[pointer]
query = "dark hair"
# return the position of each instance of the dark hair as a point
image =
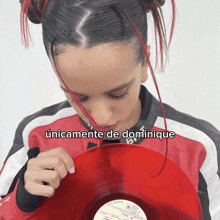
(93, 22)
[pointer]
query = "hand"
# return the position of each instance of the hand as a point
(49, 167)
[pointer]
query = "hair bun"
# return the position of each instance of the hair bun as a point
(34, 14)
(153, 4)
(161, 2)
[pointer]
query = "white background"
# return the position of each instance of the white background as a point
(191, 82)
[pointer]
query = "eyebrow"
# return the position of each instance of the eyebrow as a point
(122, 86)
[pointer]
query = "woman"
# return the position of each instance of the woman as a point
(99, 55)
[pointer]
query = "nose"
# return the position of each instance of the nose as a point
(101, 112)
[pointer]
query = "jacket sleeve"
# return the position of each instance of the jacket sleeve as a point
(15, 201)
(209, 176)
(9, 209)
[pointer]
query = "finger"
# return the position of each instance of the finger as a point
(39, 189)
(49, 176)
(68, 161)
(54, 163)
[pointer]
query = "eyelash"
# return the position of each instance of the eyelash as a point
(110, 96)
(119, 97)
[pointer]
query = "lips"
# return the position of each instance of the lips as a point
(107, 128)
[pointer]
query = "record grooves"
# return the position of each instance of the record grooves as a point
(118, 178)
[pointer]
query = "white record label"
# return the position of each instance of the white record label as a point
(120, 209)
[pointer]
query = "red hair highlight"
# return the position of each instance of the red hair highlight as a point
(25, 32)
(26, 6)
(173, 21)
(160, 30)
(42, 9)
(74, 97)
(155, 83)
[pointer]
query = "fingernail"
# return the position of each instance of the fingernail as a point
(72, 170)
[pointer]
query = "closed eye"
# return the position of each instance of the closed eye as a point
(81, 98)
(84, 99)
(114, 97)
(119, 96)
(117, 93)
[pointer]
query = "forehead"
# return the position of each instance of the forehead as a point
(108, 65)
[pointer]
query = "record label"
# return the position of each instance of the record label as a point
(120, 209)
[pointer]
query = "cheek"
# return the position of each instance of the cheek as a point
(79, 112)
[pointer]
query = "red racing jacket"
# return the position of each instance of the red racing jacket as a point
(194, 145)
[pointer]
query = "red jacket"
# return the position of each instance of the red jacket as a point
(195, 149)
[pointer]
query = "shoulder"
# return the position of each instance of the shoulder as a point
(195, 130)
(46, 116)
(186, 124)
(180, 122)
(54, 112)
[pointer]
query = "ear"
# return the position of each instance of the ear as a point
(144, 75)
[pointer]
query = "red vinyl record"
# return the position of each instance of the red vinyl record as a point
(118, 182)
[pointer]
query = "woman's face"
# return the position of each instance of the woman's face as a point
(106, 79)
